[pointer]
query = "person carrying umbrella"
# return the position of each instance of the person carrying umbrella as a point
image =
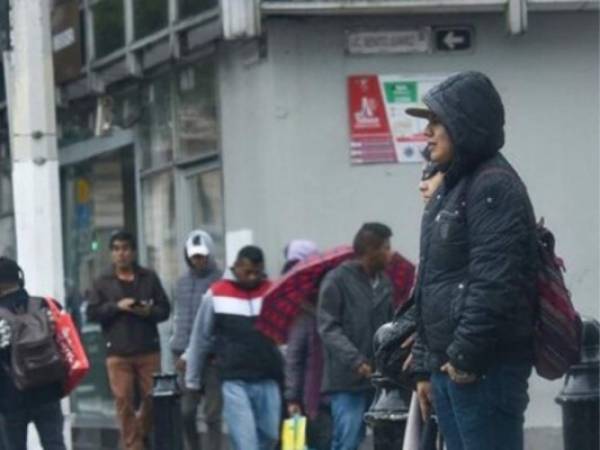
(304, 360)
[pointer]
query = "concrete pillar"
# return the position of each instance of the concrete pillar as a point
(32, 122)
(35, 174)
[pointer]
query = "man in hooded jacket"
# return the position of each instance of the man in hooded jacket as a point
(473, 353)
(191, 287)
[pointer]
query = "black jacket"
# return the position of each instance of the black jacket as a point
(350, 311)
(126, 334)
(478, 257)
(12, 399)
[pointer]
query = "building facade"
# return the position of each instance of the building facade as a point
(235, 117)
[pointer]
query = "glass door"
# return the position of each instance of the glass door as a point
(203, 205)
(98, 198)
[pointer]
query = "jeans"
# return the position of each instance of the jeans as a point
(347, 409)
(252, 411)
(487, 414)
(48, 420)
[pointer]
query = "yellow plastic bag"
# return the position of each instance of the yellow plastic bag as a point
(293, 433)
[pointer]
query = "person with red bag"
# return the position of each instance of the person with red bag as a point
(40, 404)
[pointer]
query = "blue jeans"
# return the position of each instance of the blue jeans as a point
(347, 410)
(48, 420)
(252, 411)
(487, 414)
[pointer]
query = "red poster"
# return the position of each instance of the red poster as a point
(371, 139)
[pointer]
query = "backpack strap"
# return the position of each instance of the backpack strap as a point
(35, 304)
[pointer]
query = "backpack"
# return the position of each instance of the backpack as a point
(558, 326)
(35, 359)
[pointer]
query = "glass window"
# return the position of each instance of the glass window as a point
(8, 238)
(97, 198)
(160, 230)
(197, 129)
(126, 108)
(191, 7)
(205, 197)
(2, 85)
(109, 26)
(76, 122)
(155, 130)
(6, 200)
(150, 16)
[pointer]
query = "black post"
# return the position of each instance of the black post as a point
(167, 430)
(580, 396)
(388, 413)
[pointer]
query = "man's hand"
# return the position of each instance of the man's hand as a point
(425, 397)
(365, 370)
(125, 304)
(294, 408)
(458, 376)
(180, 365)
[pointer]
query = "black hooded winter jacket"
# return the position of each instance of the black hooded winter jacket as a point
(477, 265)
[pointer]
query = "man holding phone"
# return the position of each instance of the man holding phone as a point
(129, 301)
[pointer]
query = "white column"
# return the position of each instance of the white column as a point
(36, 193)
(35, 173)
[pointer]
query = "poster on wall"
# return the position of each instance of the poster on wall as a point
(380, 130)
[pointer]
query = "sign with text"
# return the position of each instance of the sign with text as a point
(380, 130)
(66, 41)
(389, 42)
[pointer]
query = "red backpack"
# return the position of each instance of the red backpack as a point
(558, 327)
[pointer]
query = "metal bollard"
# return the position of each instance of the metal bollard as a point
(388, 413)
(167, 429)
(580, 397)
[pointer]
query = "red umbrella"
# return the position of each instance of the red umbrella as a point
(281, 303)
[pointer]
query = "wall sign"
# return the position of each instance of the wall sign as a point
(452, 39)
(416, 40)
(380, 130)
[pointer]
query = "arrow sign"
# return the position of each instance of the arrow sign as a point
(453, 39)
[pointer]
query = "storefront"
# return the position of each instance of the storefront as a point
(139, 149)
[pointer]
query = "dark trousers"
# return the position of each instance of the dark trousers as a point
(213, 409)
(487, 414)
(319, 430)
(48, 420)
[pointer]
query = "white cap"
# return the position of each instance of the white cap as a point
(197, 245)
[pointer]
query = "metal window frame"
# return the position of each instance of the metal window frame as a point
(184, 221)
(179, 168)
(175, 26)
(274, 7)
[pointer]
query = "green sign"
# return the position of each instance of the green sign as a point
(401, 92)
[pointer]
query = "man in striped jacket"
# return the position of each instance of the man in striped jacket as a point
(250, 364)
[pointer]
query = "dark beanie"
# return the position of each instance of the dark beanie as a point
(10, 272)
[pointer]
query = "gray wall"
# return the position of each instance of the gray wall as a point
(285, 139)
